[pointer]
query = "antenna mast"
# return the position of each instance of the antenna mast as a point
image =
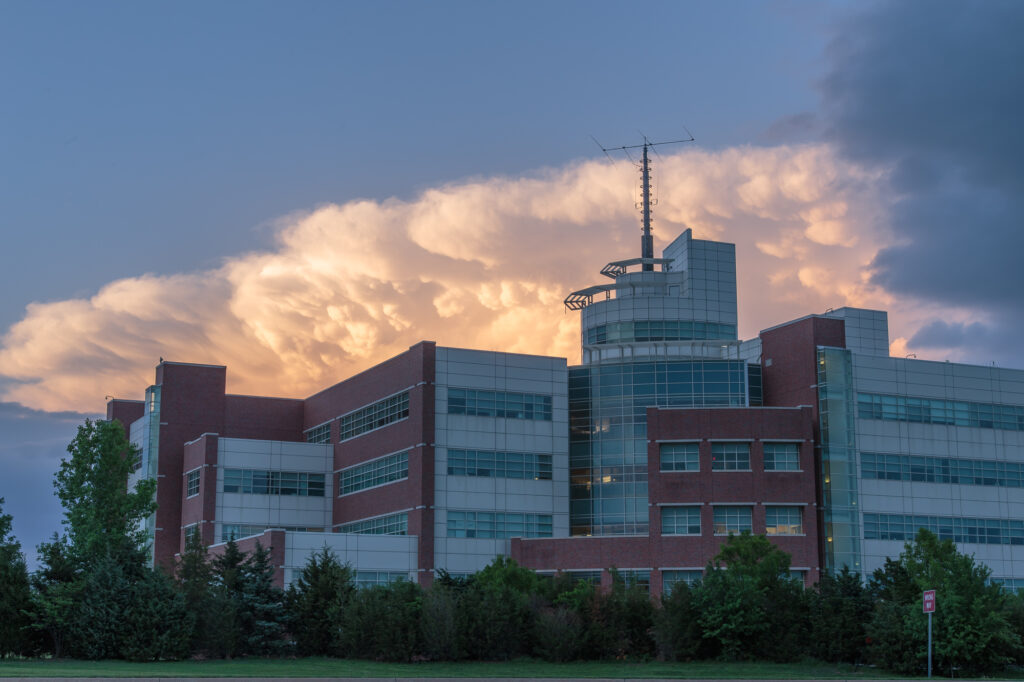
(646, 239)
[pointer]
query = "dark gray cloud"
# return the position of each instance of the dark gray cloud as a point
(934, 91)
(33, 444)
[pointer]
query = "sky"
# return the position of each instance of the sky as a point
(300, 190)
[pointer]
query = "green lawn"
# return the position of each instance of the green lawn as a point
(326, 667)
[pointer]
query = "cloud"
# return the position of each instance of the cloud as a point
(931, 92)
(481, 264)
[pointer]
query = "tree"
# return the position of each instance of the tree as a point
(15, 593)
(316, 602)
(227, 627)
(262, 604)
(195, 577)
(55, 589)
(157, 624)
(840, 611)
(750, 607)
(102, 517)
(972, 635)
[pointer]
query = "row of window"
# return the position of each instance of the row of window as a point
(685, 520)
(658, 330)
(368, 418)
(364, 579)
(729, 456)
(478, 524)
(234, 531)
(378, 472)
(392, 524)
(957, 529)
(259, 482)
(499, 464)
(503, 404)
(941, 470)
(380, 413)
(933, 411)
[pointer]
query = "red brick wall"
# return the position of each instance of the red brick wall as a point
(260, 418)
(191, 404)
(705, 487)
(125, 411)
(414, 371)
(202, 508)
(274, 539)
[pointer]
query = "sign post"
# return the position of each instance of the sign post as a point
(928, 606)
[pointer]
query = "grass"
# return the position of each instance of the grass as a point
(329, 667)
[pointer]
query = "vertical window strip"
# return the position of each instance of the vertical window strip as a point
(378, 472)
(501, 404)
(781, 456)
(192, 483)
(680, 456)
(497, 464)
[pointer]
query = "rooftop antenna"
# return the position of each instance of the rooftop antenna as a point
(646, 240)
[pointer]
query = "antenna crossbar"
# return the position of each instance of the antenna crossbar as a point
(646, 239)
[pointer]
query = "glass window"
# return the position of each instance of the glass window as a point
(392, 524)
(732, 520)
(680, 520)
(931, 411)
(499, 464)
(501, 404)
(730, 456)
(319, 434)
(680, 456)
(375, 416)
(192, 483)
(257, 482)
(670, 579)
(480, 524)
(781, 456)
(378, 472)
(784, 520)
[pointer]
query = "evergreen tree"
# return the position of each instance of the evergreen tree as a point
(157, 624)
(227, 617)
(195, 578)
(262, 605)
(840, 611)
(103, 597)
(55, 590)
(15, 593)
(316, 603)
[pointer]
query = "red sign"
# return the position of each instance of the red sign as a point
(928, 602)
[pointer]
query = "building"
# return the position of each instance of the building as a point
(670, 434)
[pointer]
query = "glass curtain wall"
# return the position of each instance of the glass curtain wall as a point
(608, 432)
(838, 459)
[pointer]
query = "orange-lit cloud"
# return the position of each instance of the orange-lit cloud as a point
(482, 264)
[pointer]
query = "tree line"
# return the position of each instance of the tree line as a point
(94, 597)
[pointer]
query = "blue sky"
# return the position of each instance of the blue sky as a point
(159, 146)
